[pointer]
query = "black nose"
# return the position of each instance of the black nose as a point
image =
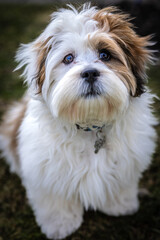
(90, 75)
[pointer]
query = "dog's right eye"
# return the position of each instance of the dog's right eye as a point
(68, 59)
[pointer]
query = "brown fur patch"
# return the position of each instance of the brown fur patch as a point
(11, 123)
(42, 51)
(118, 62)
(119, 28)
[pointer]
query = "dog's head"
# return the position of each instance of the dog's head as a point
(87, 65)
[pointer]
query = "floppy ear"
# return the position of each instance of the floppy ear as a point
(119, 27)
(43, 49)
(33, 57)
(138, 56)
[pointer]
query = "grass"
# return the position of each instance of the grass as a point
(22, 24)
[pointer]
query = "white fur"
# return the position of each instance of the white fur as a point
(58, 166)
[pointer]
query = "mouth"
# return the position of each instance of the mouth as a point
(91, 92)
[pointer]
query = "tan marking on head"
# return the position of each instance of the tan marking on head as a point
(134, 47)
(42, 51)
(118, 62)
(100, 41)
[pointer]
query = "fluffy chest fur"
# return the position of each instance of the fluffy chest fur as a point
(64, 162)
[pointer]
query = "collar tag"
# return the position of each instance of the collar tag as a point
(100, 135)
(101, 139)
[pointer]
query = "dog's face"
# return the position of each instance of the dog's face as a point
(87, 66)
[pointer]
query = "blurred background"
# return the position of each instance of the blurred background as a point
(21, 21)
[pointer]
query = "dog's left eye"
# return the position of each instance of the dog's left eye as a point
(104, 55)
(68, 59)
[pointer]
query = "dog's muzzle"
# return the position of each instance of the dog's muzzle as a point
(91, 86)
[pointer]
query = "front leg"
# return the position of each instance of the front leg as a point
(125, 202)
(57, 217)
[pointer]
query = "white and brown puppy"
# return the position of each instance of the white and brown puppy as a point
(83, 133)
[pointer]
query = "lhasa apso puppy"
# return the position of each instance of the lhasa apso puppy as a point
(83, 133)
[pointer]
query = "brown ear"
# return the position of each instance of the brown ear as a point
(138, 56)
(119, 27)
(42, 51)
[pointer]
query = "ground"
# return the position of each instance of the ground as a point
(22, 24)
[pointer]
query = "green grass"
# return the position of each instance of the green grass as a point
(22, 24)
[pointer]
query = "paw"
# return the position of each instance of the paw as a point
(61, 227)
(121, 209)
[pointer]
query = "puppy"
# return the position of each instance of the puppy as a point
(83, 133)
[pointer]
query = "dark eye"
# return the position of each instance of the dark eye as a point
(68, 59)
(104, 55)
